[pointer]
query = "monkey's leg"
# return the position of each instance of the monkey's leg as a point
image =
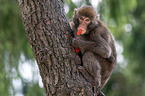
(85, 74)
(92, 65)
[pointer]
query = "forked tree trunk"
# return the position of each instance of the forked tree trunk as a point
(48, 32)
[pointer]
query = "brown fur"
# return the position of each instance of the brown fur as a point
(87, 11)
(97, 47)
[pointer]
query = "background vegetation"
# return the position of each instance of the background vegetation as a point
(19, 74)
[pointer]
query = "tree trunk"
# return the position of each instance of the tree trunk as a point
(49, 32)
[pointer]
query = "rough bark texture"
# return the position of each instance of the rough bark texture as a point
(48, 32)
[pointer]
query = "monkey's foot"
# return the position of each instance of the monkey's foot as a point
(85, 74)
(101, 94)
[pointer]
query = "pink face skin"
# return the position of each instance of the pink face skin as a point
(84, 22)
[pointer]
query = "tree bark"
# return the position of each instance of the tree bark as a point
(49, 35)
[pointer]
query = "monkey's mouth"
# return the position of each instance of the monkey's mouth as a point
(83, 32)
(80, 31)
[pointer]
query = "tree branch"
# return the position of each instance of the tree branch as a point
(49, 35)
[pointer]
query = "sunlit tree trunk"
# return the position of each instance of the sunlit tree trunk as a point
(48, 32)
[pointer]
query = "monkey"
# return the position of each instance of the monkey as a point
(95, 46)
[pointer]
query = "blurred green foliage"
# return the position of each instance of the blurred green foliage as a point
(124, 18)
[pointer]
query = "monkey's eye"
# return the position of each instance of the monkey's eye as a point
(87, 20)
(81, 18)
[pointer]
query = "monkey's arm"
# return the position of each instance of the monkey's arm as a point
(99, 46)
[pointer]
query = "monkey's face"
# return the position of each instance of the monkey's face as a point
(83, 24)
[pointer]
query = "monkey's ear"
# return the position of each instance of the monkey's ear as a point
(75, 11)
(98, 16)
(75, 17)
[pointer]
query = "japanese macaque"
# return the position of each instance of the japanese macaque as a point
(95, 46)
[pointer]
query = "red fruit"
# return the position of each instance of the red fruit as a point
(79, 32)
(77, 50)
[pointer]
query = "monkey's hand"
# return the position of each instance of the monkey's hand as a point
(75, 42)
